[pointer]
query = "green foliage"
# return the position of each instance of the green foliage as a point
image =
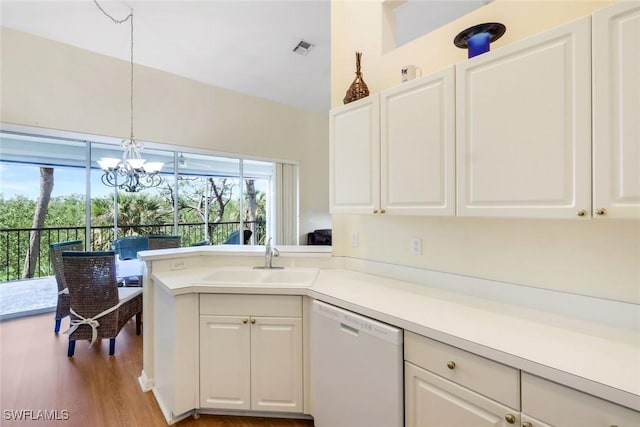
(66, 210)
(16, 212)
(136, 212)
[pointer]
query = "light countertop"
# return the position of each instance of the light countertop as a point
(600, 359)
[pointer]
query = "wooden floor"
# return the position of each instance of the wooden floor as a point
(95, 389)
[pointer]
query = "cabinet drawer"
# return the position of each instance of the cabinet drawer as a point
(561, 406)
(251, 305)
(489, 378)
(431, 400)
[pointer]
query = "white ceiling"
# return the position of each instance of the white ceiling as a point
(245, 46)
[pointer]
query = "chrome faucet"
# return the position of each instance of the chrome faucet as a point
(269, 252)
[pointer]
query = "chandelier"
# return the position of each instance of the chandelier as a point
(131, 173)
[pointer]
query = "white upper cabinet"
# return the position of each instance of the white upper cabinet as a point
(393, 152)
(524, 127)
(417, 161)
(616, 111)
(354, 177)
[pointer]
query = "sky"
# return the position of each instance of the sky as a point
(25, 180)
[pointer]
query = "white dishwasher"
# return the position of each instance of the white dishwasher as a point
(357, 372)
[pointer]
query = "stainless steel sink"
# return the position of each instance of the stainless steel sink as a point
(254, 277)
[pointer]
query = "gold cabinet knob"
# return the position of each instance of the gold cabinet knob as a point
(601, 211)
(382, 211)
(581, 212)
(527, 424)
(451, 364)
(253, 321)
(510, 418)
(375, 211)
(245, 321)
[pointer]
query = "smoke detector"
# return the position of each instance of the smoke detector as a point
(303, 47)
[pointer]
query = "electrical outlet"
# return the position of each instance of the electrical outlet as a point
(416, 246)
(354, 239)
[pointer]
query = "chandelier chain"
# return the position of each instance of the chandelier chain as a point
(129, 18)
(132, 168)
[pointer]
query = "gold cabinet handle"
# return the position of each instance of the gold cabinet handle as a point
(451, 364)
(245, 321)
(581, 212)
(527, 424)
(253, 321)
(601, 211)
(510, 418)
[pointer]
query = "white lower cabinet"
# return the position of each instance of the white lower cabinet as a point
(446, 386)
(432, 401)
(251, 352)
(548, 404)
(528, 421)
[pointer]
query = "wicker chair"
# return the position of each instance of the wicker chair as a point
(55, 256)
(164, 242)
(98, 307)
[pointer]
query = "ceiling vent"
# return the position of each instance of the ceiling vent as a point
(303, 47)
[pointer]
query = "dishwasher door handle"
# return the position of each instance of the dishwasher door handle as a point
(349, 329)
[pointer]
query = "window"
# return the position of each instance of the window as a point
(202, 197)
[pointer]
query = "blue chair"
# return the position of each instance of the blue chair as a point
(234, 238)
(128, 247)
(129, 267)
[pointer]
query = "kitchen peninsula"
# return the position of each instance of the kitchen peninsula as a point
(548, 339)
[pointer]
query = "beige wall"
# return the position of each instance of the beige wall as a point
(364, 25)
(598, 258)
(56, 86)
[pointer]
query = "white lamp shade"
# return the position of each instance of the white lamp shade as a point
(136, 163)
(108, 163)
(153, 167)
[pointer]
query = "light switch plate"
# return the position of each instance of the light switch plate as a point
(178, 265)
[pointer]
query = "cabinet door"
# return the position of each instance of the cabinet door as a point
(431, 400)
(524, 127)
(616, 111)
(354, 162)
(276, 364)
(528, 421)
(560, 406)
(418, 146)
(225, 381)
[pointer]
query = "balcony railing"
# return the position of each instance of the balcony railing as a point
(14, 243)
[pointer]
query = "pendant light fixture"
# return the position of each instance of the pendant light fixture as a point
(130, 173)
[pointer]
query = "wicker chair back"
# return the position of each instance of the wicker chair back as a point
(55, 256)
(94, 294)
(91, 277)
(164, 242)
